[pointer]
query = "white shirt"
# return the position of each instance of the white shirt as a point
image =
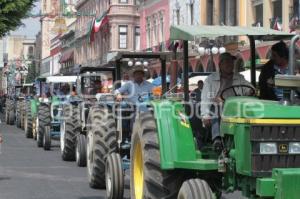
(134, 90)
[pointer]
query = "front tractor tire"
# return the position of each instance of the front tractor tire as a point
(101, 141)
(114, 176)
(148, 180)
(195, 188)
(81, 151)
(47, 138)
(70, 128)
(44, 119)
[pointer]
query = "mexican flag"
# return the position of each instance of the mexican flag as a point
(97, 24)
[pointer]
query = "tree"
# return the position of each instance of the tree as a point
(32, 74)
(11, 14)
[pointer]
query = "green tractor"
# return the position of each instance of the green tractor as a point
(261, 154)
(30, 120)
(25, 95)
(10, 105)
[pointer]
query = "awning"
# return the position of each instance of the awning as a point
(66, 57)
(190, 33)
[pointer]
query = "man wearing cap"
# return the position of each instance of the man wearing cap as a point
(135, 89)
(211, 95)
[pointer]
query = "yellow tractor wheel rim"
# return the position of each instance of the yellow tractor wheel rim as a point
(138, 171)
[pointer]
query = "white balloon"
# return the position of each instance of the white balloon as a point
(146, 63)
(222, 50)
(214, 50)
(201, 50)
(138, 63)
(130, 63)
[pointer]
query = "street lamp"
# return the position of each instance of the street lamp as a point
(131, 63)
(211, 48)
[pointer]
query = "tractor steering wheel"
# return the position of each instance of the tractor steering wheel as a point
(252, 93)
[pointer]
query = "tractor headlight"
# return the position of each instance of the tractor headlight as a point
(268, 148)
(294, 148)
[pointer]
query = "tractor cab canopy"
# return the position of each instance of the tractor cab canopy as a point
(61, 85)
(193, 33)
(143, 56)
(61, 79)
(93, 80)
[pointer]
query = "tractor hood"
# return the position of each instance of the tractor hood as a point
(253, 108)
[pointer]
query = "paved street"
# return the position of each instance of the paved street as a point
(27, 172)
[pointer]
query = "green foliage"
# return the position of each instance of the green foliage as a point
(31, 73)
(11, 14)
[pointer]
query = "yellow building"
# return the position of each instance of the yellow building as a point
(248, 12)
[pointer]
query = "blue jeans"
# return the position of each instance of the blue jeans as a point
(215, 128)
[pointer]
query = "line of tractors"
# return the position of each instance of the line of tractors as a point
(261, 154)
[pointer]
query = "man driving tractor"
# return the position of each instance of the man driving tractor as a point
(134, 89)
(213, 95)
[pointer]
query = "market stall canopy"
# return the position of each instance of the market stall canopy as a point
(190, 33)
(61, 79)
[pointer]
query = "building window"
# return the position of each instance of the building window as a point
(148, 29)
(162, 28)
(123, 1)
(228, 10)
(259, 15)
(176, 13)
(191, 8)
(155, 35)
(210, 12)
(137, 38)
(277, 9)
(123, 37)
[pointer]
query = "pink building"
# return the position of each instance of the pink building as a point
(155, 24)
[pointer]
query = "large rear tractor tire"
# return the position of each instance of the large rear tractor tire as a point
(18, 116)
(7, 110)
(44, 119)
(81, 151)
(28, 127)
(11, 117)
(23, 112)
(195, 188)
(114, 176)
(70, 128)
(148, 180)
(101, 141)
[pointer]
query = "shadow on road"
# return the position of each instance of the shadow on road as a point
(5, 178)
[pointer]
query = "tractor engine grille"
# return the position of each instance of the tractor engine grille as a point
(282, 135)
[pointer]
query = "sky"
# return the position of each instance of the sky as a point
(31, 25)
